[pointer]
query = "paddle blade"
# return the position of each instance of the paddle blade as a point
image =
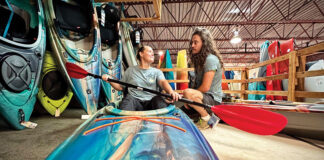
(75, 71)
(251, 120)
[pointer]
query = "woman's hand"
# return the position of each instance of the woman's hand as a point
(175, 97)
(106, 77)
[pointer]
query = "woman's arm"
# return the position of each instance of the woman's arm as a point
(115, 85)
(207, 81)
(164, 84)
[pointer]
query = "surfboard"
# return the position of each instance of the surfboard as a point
(182, 75)
(167, 63)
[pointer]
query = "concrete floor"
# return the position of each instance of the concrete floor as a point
(228, 143)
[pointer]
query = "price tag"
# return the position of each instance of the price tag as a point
(29, 124)
(57, 112)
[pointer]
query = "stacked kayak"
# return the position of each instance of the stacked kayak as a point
(111, 133)
(128, 49)
(304, 119)
(111, 53)
(75, 38)
(22, 47)
(167, 63)
(54, 93)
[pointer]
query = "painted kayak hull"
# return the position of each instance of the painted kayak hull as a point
(167, 63)
(113, 68)
(182, 75)
(136, 139)
(17, 106)
(128, 50)
(53, 104)
(86, 55)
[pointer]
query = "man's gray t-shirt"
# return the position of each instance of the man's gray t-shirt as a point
(211, 64)
(146, 78)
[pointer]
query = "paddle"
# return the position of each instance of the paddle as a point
(252, 120)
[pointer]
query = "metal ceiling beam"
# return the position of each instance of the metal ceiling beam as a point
(173, 1)
(152, 25)
(244, 39)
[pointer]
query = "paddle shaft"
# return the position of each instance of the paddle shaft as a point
(152, 91)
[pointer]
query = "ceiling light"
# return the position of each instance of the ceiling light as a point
(236, 38)
(160, 53)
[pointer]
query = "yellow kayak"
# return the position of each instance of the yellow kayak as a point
(54, 93)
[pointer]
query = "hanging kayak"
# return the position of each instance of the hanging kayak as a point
(54, 93)
(74, 37)
(22, 47)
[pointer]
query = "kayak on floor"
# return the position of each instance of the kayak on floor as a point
(22, 47)
(166, 133)
(74, 37)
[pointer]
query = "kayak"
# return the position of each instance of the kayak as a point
(111, 62)
(128, 50)
(167, 63)
(54, 93)
(166, 133)
(74, 37)
(22, 47)
(304, 119)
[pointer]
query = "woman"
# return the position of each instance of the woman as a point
(145, 76)
(208, 65)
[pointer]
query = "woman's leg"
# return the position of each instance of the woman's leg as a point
(130, 103)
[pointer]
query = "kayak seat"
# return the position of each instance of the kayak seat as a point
(73, 16)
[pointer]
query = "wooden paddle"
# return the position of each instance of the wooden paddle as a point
(252, 120)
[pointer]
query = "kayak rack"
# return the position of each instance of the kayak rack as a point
(157, 4)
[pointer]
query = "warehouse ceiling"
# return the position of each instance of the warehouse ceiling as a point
(257, 21)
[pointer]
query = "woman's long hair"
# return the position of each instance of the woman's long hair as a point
(208, 47)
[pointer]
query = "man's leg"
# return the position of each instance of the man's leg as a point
(196, 96)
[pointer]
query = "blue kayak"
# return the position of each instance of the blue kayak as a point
(111, 51)
(166, 133)
(22, 48)
(74, 37)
